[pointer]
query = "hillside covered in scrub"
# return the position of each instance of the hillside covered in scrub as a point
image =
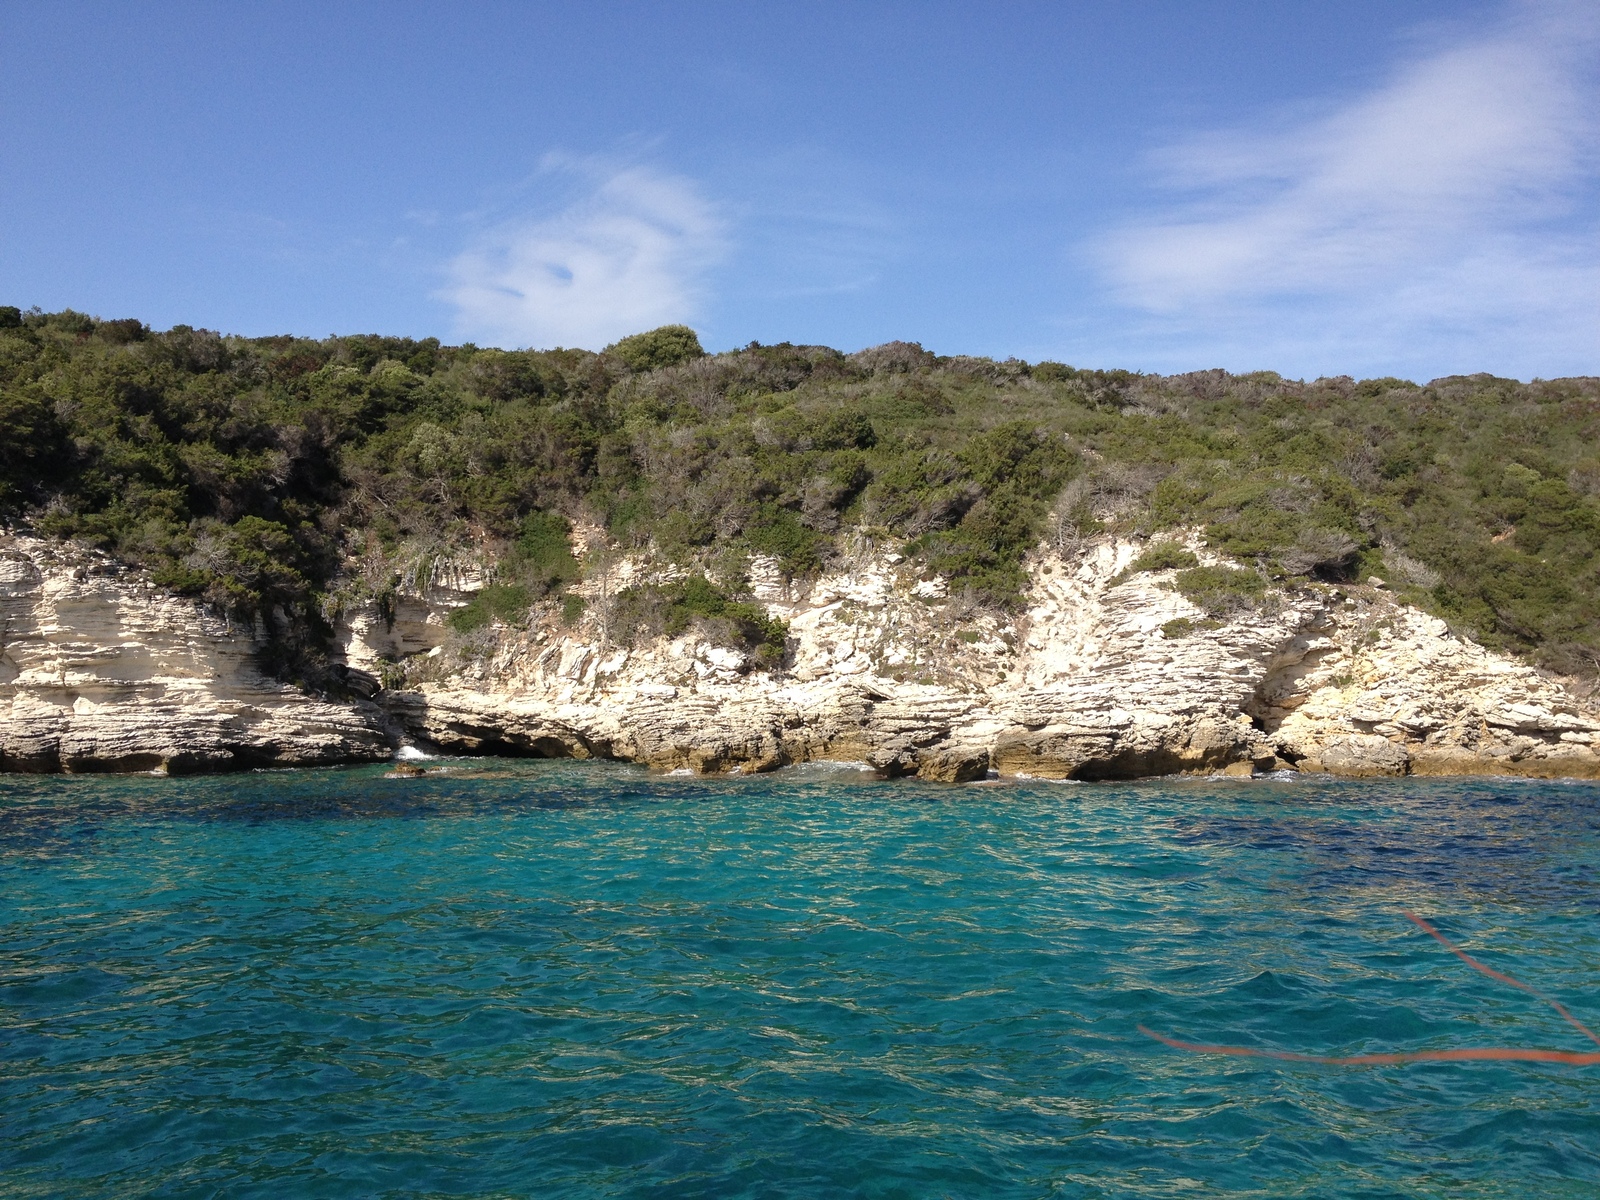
(253, 471)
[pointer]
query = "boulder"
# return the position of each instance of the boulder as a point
(1361, 755)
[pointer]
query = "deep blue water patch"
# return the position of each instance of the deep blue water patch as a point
(535, 978)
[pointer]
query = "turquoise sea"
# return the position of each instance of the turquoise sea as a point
(523, 978)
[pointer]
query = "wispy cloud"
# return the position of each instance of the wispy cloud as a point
(1446, 220)
(629, 254)
(811, 228)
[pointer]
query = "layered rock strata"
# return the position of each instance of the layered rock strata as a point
(100, 670)
(1104, 675)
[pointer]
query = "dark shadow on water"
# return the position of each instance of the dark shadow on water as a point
(52, 815)
(1507, 839)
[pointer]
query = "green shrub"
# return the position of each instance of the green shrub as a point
(253, 568)
(541, 557)
(1182, 627)
(33, 447)
(779, 532)
(846, 430)
(506, 603)
(1220, 590)
(1013, 472)
(664, 347)
(1164, 556)
(391, 675)
(672, 608)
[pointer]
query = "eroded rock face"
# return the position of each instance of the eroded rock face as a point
(102, 671)
(1089, 683)
(1360, 754)
(1101, 677)
(1376, 688)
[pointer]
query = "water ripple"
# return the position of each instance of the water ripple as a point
(509, 979)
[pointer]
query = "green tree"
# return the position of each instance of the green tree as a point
(33, 447)
(666, 346)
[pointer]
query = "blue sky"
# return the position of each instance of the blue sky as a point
(1404, 187)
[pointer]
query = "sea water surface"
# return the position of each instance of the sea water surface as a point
(555, 979)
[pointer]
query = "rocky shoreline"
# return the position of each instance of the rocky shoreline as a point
(1105, 674)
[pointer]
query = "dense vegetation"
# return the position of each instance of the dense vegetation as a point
(252, 472)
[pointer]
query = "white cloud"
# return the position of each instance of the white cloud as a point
(628, 256)
(1444, 221)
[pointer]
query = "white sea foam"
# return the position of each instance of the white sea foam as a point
(832, 767)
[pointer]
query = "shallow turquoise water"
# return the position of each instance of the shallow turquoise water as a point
(549, 979)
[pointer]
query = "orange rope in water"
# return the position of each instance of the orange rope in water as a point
(1471, 1053)
(1468, 1054)
(1493, 974)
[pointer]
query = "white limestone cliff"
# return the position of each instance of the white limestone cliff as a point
(1097, 678)
(102, 671)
